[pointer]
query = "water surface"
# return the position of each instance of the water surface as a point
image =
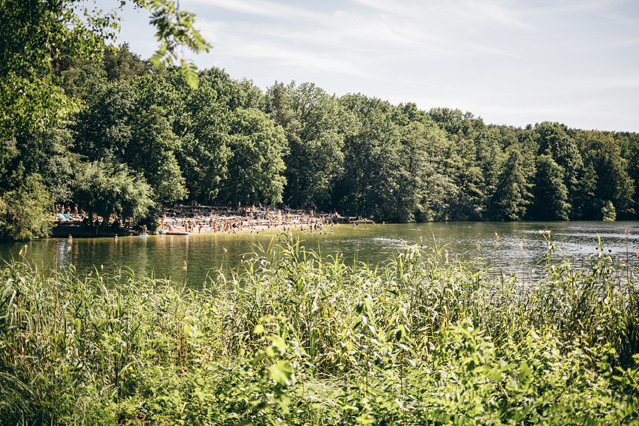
(511, 247)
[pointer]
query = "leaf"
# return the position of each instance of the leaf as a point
(399, 333)
(279, 342)
(281, 372)
(189, 74)
(524, 372)
(259, 329)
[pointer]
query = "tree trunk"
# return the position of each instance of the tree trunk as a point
(235, 204)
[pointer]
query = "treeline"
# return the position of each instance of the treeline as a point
(138, 137)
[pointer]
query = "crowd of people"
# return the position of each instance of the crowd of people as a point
(198, 219)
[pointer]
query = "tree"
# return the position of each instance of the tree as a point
(550, 192)
(104, 127)
(585, 205)
(468, 178)
(23, 211)
(512, 195)
(111, 189)
(556, 140)
(629, 146)
(613, 183)
(201, 121)
(120, 124)
(491, 157)
(255, 165)
(426, 190)
(152, 152)
(315, 125)
(370, 185)
(412, 179)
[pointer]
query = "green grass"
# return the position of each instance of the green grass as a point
(289, 338)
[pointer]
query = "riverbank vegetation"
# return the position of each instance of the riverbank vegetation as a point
(290, 339)
(119, 137)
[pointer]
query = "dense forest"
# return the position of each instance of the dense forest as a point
(137, 137)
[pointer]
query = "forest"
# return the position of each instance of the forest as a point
(116, 135)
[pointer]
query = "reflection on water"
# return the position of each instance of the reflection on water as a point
(511, 247)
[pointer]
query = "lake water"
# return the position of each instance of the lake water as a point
(510, 247)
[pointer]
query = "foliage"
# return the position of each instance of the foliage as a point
(110, 189)
(255, 165)
(315, 125)
(550, 192)
(175, 28)
(608, 212)
(512, 194)
(291, 338)
(40, 41)
(613, 184)
(23, 211)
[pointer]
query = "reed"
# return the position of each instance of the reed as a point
(291, 338)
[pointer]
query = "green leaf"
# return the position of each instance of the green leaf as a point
(281, 372)
(279, 342)
(189, 74)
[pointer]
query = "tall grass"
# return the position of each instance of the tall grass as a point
(290, 338)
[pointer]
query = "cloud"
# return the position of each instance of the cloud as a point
(260, 8)
(511, 61)
(274, 48)
(470, 12)
(608, 83)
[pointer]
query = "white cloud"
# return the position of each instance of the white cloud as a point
(259, 8)
(511, 61)
(233, 45)
(469, 12)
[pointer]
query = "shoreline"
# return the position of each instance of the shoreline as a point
(187, 220)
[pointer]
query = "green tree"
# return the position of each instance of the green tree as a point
(467, 177)
(492, 156)
(120, 64)
(38, 41)
(152, 152)
(255, 165)
(412, 179)
(512, 195)
(121, 125)
(104, 127)
(202, 124)
(111, 189)
(556, 139)
(24, 211)
(613, 182)
(370, 185)
(550, 192)
(315, 125)
(427, 191)
(440, 192)
(585, 204)
(629, 146)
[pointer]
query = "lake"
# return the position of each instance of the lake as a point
(513, 247)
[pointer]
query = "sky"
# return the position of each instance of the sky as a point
(513, 62)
